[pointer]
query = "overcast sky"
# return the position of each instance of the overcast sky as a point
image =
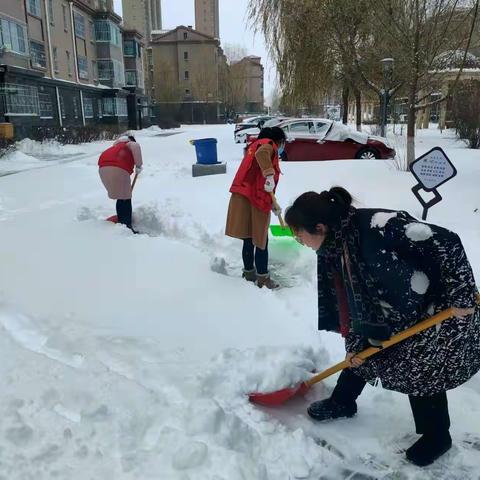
(233, 28)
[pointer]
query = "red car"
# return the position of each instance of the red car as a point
(322, 139)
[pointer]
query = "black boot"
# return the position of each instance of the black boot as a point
(342, 402)
(433, 422)
(430, 447)
(328, 409)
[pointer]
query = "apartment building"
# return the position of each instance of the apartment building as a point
(62, 64)
(249, 73)
(185, 68)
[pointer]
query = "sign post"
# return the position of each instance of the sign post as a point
(431, 170)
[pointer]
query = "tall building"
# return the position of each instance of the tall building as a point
(207, 17)
(144, 16)
(62, 64)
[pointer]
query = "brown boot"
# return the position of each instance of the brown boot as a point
(266, 281)
(250, 275)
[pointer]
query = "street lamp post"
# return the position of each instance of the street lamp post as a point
(385, 94)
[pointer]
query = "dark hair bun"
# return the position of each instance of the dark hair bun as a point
(340, 196)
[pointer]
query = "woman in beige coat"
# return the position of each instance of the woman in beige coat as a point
(250, 205)
(116, 164)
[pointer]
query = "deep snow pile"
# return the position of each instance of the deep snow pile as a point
(130, 357)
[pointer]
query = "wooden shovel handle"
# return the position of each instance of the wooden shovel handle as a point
(275, 203)
(134, 180)
(418, 327)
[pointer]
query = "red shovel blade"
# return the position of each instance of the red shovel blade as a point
(113, 219)
(273, 399)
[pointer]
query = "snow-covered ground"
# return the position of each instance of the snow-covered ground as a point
(130, 356)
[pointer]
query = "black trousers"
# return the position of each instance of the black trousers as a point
(124, 212)
(255, 257)
(429, 413)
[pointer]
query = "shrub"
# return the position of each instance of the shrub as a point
(466, 112)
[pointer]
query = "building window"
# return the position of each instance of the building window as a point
(107, 31)
(69, 65)
(21, 100)
(111, 70)
(65, 22)
(33, 7)
(91, 26)
(100, 108)
(185, 55)
(37, 55)
(79, 22)
(187, 91)
(50, 12)
(129, 49)
(88, 107)
(55, 59)
(94, 70)
(186, 75)
(83, 67)
(185, 35)
(131, 78)
(46, 105)
(62, 107)
(115, 107)
(76, 109)
(12, 36)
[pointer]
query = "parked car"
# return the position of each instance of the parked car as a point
(241, 135)
(324, 139)
(253, 122)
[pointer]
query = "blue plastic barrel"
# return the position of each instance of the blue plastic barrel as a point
(206, 150)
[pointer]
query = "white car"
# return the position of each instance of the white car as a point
(241, 135)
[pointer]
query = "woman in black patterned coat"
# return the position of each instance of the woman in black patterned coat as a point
(380, 272)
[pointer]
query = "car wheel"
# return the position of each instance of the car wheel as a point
(367, 154)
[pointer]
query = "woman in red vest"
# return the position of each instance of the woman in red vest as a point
(250, 204)
(116, 164)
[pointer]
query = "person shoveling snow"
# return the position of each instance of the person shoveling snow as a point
(116, 164)
(379, 273)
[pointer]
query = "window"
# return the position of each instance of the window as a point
(83, 67)
(185, 55)
(300, 127)
(62, 107)
(55, 59)
(19, 99)
(99, 107)
(111, 70)
(187, 91)
(91, 26)
(79, 22)
(186, 75)
(46, 105)
(94, 70)
(129, 49)
(65, 22)
(69, 65)
(322, 127)
(185, 35)
(76, 109)
(88, 107)
(37, 55)
(131, 78)
(50, 12)
(115, 107)
(12, 36)
(33, 7)
(107, 31)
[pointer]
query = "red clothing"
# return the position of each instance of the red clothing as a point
(249, 180)
(118, 155)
